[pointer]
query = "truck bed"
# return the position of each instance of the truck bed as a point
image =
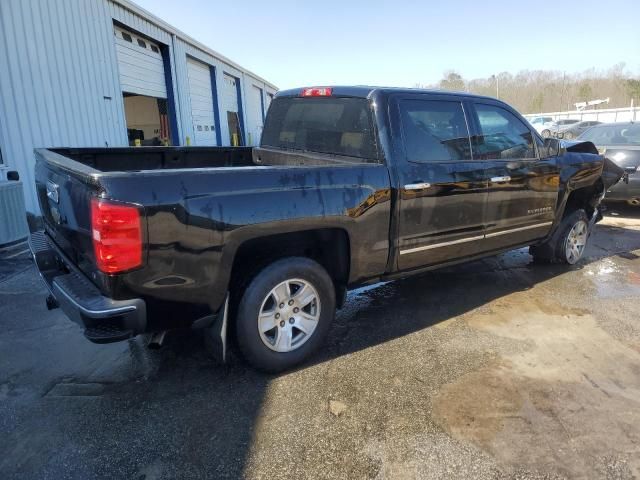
(198, 205)
(129, 159)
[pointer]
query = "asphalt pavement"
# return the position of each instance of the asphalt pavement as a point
(499, 368)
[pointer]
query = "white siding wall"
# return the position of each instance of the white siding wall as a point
(59, 83)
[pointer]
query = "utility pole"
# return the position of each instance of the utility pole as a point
(564, 75)
(497, 88)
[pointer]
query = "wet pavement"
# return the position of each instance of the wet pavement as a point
(495, 369)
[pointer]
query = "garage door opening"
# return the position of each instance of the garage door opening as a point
(235, 137)
(147, 120)
(231, 104)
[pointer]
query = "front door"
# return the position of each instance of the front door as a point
(523, 188)
(443, 188)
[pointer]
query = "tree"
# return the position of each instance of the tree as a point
(452, 81)
(633, 88)
(537, 91)
(584, 92)
(537, 103)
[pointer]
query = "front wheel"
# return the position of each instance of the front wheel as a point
(569, 136)
(574, 241)
(285, 313)
(569, 242)
(546, 133)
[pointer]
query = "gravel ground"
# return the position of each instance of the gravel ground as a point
(494, 369)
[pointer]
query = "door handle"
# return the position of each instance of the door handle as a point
(417, 186)
(506, 178)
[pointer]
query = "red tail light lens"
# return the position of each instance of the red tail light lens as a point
(117, 236)
(316, 92)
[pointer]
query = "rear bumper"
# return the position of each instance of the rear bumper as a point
(105, 320)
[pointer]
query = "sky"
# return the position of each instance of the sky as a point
(404, 43)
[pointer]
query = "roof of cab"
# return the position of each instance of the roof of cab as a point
(364, 91)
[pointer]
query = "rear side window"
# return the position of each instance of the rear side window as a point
(333, 125)
(434, 131)
(504, 136)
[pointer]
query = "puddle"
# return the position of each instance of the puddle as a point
(612, 280)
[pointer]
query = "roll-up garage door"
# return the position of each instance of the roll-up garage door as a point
(140, 65)
(255, 109)
(201, 96)
(230, 109)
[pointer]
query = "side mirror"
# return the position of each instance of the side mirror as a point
(551, 147)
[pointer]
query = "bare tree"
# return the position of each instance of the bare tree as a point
(535, 91)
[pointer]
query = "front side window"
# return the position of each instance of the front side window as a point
(434, 131)
(503, 135)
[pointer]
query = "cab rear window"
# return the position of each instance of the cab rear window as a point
(332, 125)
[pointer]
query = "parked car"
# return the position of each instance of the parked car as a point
(573, 129)
(620, 142)
(543, 125)
(561, 124)
(350, 186)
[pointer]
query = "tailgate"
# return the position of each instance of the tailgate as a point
(65, 188)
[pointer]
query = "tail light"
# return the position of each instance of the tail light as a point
(117, 236)
(316, 92)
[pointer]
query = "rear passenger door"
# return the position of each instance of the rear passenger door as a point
(442, 188)
(523, 188)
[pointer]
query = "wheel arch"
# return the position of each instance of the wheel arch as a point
(330, 247)
(586, 197)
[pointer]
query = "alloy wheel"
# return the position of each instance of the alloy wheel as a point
(576, 241)
(289, 315)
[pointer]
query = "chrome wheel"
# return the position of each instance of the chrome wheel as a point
(289, 315)
(576, 241)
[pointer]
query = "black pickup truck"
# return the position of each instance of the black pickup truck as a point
(258, 246)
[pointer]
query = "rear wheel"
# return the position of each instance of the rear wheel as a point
(569, 136)
(546, 133)
(285, 313)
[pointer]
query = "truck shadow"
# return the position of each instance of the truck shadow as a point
(622, 210)
(383, 312)
(189, 418)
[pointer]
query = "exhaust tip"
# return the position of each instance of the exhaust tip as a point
(51, 302)
(157, 340)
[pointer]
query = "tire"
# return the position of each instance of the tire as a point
(569, 136)
(568, 243)
(296, 299)
(546, 133)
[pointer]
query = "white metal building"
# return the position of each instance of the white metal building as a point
(94, 73)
